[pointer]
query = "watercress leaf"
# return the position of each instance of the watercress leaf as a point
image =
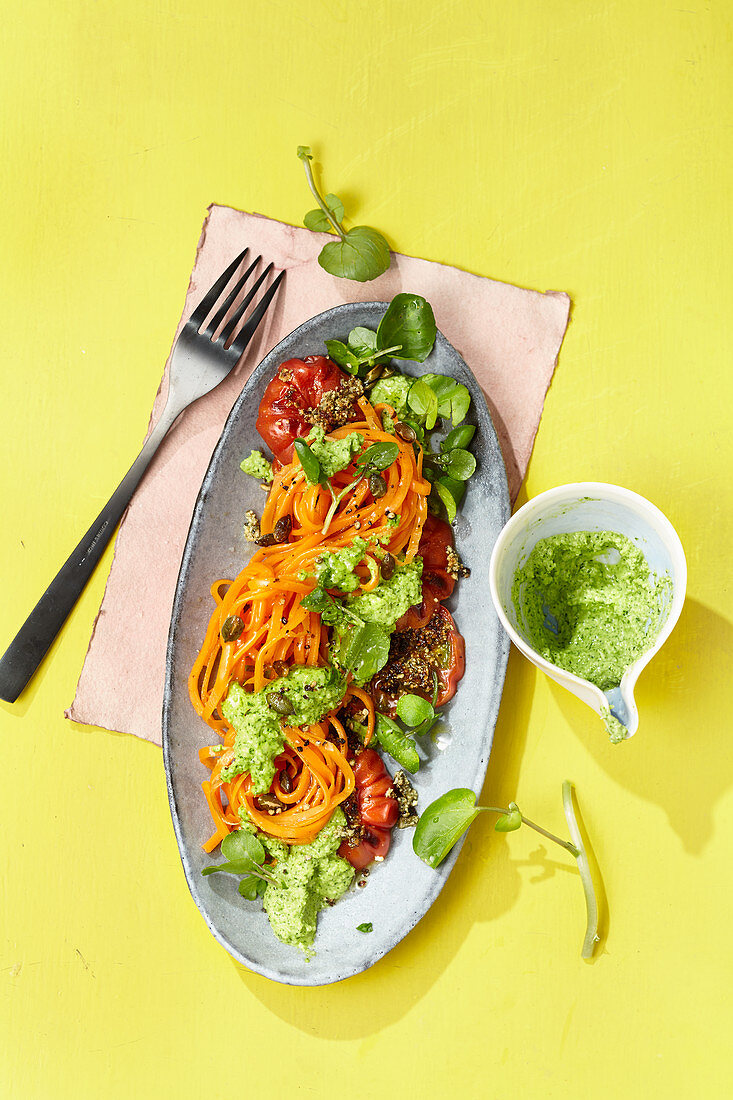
(379, 456)
(309, 462)
(362, 254)
(342, 356)
(409, 322)
(334, 204)
(460, 403)
(317, 220)
(261, 886)
(363, 342)
(305, 152)
(248, 887)
(454, 400)
(449, 501)
(442, 386)
(232, 866)
(397, 743)
(367, 926)
(459, 464)
(413, 709)
(458, 437)
(422, 400)
(443, 823)
(241, 844)
(317, 600)
(507, 823)
(362, 649)
(426, 726)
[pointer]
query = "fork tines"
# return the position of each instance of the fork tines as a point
(209, 301)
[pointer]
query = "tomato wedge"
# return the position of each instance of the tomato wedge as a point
(378, 810)
(437, 582)
(293, 402)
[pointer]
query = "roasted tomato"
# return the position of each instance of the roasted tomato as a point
(294, 401)
(437, 582)
(374, 842)
(418, 657)
(378, 810)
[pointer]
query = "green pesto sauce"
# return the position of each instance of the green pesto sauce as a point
(312, 692)
(256, 465)
(333, 454)
(392, 391)
(391, 598)
(308, 877)
(589, 604)
(335, 568)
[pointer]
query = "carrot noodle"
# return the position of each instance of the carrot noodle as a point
(266, 598)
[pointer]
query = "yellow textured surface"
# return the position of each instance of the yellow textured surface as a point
(559, 145)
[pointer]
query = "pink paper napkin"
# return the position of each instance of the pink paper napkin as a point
(509, 337)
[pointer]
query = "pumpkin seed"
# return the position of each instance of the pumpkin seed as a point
(231, 628)
(279, 702)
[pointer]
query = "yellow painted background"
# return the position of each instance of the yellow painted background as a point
(581, 146)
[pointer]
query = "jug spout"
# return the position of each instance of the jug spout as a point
(621, 710)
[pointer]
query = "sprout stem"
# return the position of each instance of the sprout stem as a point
(312, 184)
(591, 904)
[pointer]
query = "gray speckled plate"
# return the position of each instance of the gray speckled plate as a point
(400, 890)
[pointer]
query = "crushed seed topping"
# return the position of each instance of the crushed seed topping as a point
(252, 526)
(406, 796)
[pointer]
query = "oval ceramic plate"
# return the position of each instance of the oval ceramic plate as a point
(400, 890)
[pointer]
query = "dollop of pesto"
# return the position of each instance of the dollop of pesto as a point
(589, 604)
(392, 391)
(307, 878)
(335, 568)
(333, 454)
(256, 465)
(312, 692)
(389, 601)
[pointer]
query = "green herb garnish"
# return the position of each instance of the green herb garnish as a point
(361, 253)
(445, 821)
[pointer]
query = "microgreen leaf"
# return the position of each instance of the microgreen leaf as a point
(342, 356)
(507, 823)
(409, 322)
(362, 254)
(248, 887)
(454, 400)
(397, 743)
(242, 844)
(318, 221)
(379, 456)
(367, 926)
(443, 823)
(458, 437)
(451, 493)
(363, 342)
(414, 710)
(317, 600)
(309, 462)
(232, 866)
(362, 649)
(422, 400)
(459, 464)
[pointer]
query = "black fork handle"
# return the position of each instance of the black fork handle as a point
(33, 641)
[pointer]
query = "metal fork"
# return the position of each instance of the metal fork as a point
(199, 362)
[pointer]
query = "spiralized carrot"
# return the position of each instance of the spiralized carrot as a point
(275, 627)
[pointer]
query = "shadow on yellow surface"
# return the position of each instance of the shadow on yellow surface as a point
(484, 884)
(680, 758)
